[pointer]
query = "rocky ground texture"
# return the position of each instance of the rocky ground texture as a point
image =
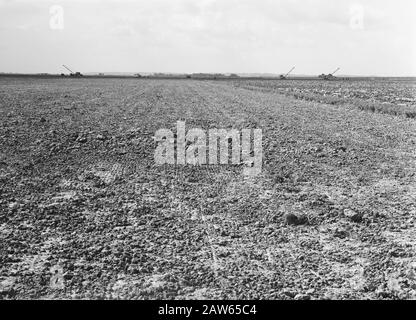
(86, 213)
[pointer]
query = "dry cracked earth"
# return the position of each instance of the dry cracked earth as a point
(85, 213)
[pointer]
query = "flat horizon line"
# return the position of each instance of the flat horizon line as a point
(240, 74)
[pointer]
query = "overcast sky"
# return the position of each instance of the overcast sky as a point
(364, 37)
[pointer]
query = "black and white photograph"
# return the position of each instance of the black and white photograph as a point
(207, 150)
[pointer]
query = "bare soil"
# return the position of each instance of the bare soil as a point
(86, 213)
